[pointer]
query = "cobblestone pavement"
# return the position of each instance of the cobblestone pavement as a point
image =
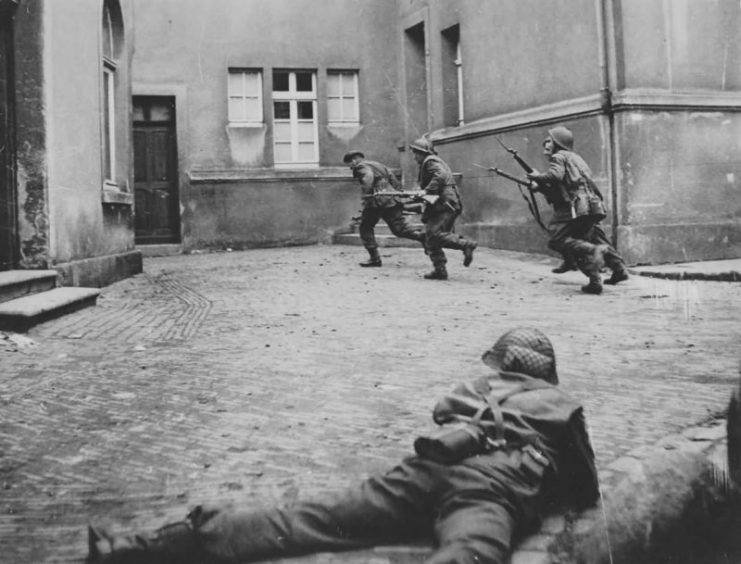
(266, 375)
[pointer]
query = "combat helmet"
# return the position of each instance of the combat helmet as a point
(350, 154)
(525, 350)
(562, 137)
(423, 145)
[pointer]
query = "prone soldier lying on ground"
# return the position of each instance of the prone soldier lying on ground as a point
(510, 445)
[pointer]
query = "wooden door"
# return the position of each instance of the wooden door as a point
(156, 171)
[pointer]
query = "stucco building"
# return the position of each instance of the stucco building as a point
(243, 111)
(651, 89)
(66, 193)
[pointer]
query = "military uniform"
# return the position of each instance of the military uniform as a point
(436, 179)
(536, 452)
(375, 177)
(577, 210)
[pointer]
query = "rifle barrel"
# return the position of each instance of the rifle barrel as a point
(511, 177)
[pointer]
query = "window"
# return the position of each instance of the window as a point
(245, 97)
(114, 107)
(294, 119)
(110, 66)
(342, 98)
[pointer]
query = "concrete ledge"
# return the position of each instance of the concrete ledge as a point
(100, 271)
(648, 496)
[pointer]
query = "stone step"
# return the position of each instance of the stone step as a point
(21, 314)
(18, 283)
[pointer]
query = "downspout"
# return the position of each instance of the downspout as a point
(605, 28)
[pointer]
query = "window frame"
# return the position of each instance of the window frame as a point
(293, 97)
(109, 125)
(114, 107)
(259, 120)
(343, 122)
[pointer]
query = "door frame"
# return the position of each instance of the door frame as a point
(180, 93)
(173, 145)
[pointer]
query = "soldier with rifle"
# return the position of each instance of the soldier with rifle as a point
(382, 199)
(436, 179)
(578, 208)
(577, 204)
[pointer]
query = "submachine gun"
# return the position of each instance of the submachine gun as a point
(521, 183)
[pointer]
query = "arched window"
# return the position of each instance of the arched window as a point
(112, 48)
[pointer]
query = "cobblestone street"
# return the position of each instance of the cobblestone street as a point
(265, 375)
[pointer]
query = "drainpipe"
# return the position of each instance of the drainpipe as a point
(605, 29)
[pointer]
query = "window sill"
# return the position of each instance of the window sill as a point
(355, 124)
(245, 125)
(113, 195)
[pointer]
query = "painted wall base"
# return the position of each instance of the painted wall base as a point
(661, 244)
(100, 271)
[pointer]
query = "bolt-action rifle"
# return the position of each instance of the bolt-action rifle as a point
(526, 167)
(532, 203)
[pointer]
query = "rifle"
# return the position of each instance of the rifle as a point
(532, 203)
(526, 167)
(419, 195)
(520, 181)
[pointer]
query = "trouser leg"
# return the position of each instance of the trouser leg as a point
(477, 521)
(401, 226)
(368, 220)
(612, 258)
(439, 235)
(570, 239)
(388, 508)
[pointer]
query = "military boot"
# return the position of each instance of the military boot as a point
(565, 266)
(616, 264)
(440, 273)
(374, 260)
(468, 253)
(618, 275)
(172, 544)
(594, 286)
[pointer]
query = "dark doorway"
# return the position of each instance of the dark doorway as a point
(415, 64)
(156, 171)
(8, 209)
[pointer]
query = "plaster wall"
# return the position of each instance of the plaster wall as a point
(186, 50)
(63, 219)
(82, 226)
(678, 45)
(516, 54)
(680, 178)
(270, 211)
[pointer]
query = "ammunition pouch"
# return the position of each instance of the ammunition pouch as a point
(588, 203)
(597, 207)
(454, 442)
